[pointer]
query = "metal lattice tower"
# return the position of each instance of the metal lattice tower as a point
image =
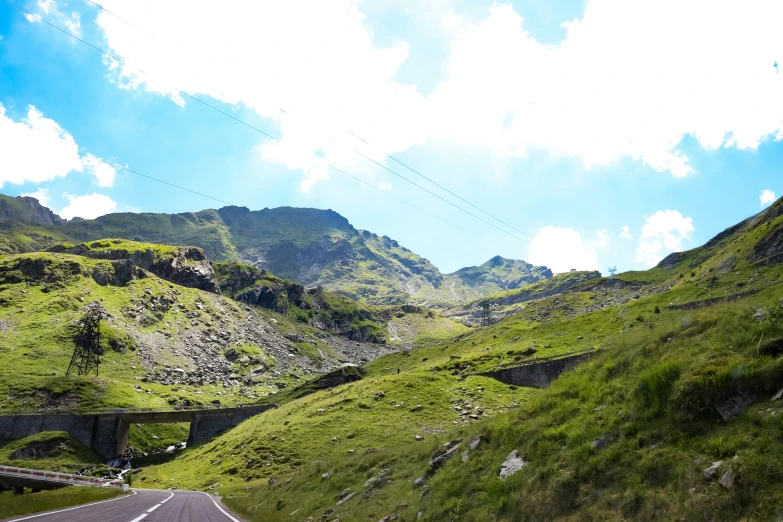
(486, 313)
(612, 271)
(86, 354)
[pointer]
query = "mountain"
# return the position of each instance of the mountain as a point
(672, 412)
(27, 210)
(310, 246)
(675, 417)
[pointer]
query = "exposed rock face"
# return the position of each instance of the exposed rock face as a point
(122, 271)
(27, 210)
(188, 266)
(507, 274)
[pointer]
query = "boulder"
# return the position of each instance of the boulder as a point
(712, 471)
(731, 408)
(601, 442)
(511, 465)
(728, 479)
(443, 454)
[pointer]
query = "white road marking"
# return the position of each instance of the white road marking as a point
(221, 509)
(153, 508)
(139, 518)
(71, 509)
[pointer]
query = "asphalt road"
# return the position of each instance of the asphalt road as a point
(145, 505)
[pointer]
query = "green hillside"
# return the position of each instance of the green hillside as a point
(686, 373)
(310, 246)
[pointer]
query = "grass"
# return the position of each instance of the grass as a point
(43, 293)
(149, 437)
(626, 435)
(48, 450)
(669, 354)
(14, 505)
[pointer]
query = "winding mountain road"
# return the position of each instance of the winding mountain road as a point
(143, 505)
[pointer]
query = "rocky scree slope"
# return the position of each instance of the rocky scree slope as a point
(166, 344)
(678, 417)
(313, 247)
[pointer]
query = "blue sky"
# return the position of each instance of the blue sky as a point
(568, 120)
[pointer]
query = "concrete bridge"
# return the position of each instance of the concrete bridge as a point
(539, 373)
(106, 432)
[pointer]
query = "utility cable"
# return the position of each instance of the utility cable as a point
(183, 93)
(389, 156)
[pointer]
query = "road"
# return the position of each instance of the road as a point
(143, 505)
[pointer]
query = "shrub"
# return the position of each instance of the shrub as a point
(657, 310)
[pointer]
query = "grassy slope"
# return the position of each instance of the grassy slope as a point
(17, 237)
(11, 505)
(652, 391)
(59, 452)
(36, 347)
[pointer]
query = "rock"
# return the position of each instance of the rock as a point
(728, 479)
(529, 351)
(579, 337)
(425, 492)
(419, 482)
(734, 406)
(465, 456)
(395, 516)
(474, 442)
(342, 494)
(326, 475)
(511, 465)
(418, 407)
(271, 480)
(345, 499)
(378, 479)
(443, 454)
(419, 437)
(710, 472)
(601, 442)
(420, 515)
(599, 407)
(777, 395)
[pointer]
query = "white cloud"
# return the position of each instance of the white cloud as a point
(767, 197)
(563, 248)
(103, 172)
(50, 9)
(612, 88)
(663, 233)
(325, 71)
(31, 18)
(625, 233)
(386, 186)
(88, 207)
(42, 195)
(603, 239)
(36, 149)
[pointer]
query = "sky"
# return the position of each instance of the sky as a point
(572, 134)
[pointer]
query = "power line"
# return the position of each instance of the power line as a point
(389, 156)
(183, 93)
(126, 169)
